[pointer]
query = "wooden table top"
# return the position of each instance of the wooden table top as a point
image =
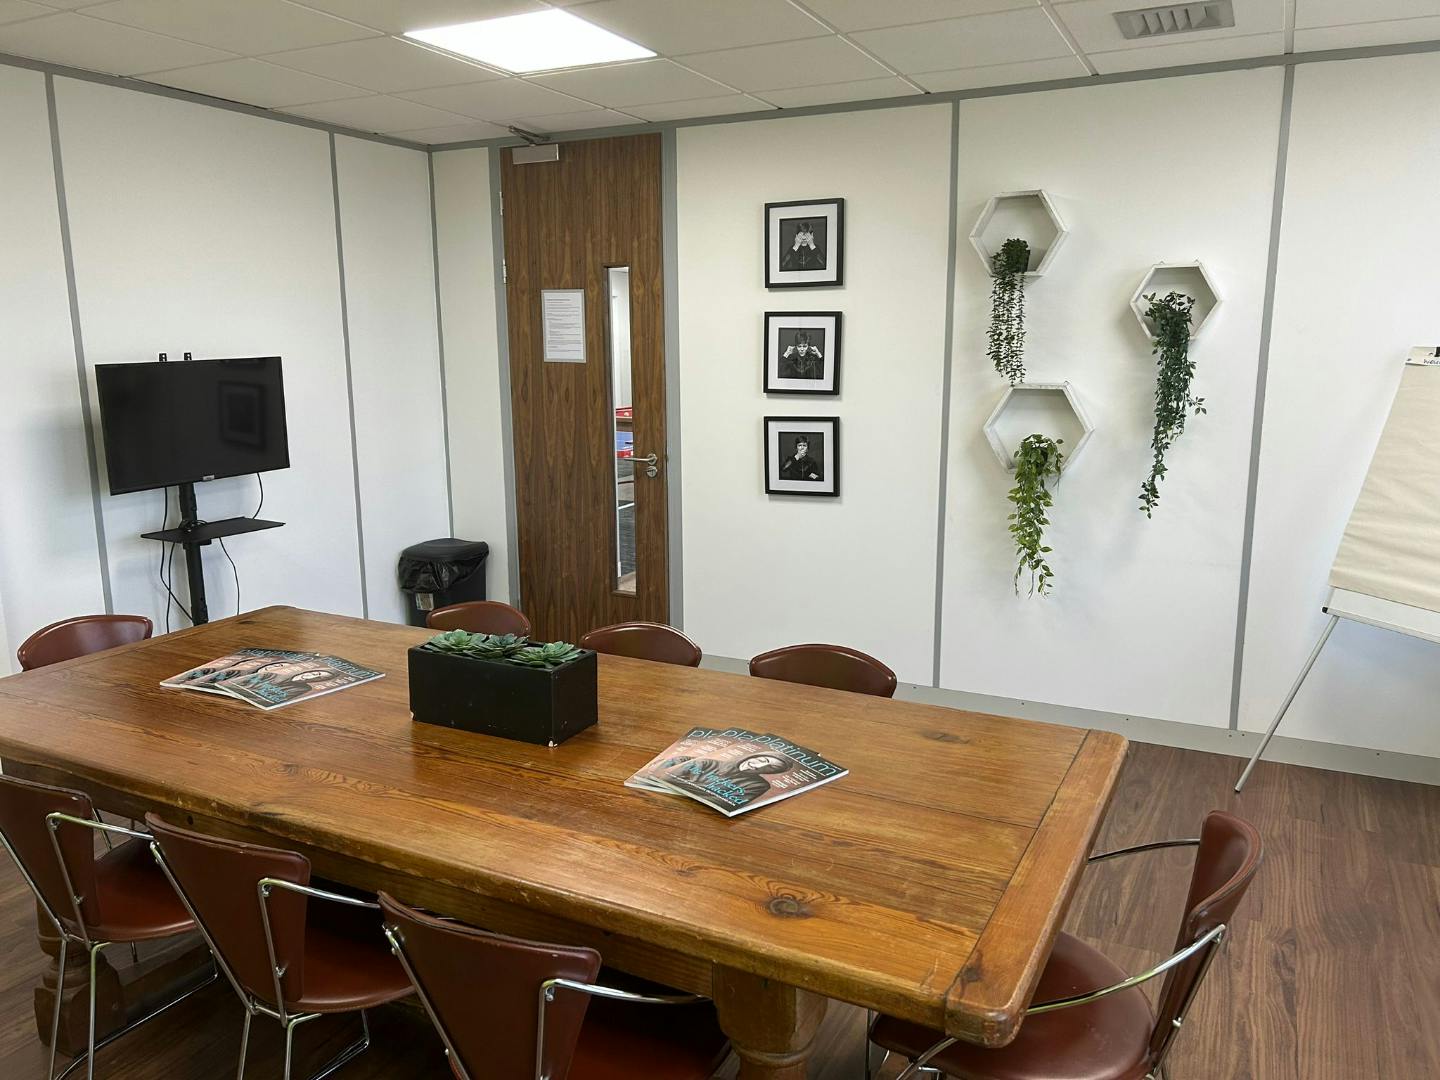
(929, 883)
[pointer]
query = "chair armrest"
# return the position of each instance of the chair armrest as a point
(1213, 937)
(102, 827)
(266, 884)
(547, 993)
(1139, 849)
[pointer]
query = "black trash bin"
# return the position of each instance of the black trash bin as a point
(441, 572)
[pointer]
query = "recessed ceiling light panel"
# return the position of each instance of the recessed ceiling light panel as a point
(540, 41)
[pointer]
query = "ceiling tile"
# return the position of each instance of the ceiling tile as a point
(1001, 38)
(1093, 24)
(1310, 13)
(15, 10)
(1390, 32)
(849, 15)
(397, 16)
(378, 113)
(1059, 67)
(76, 41)
(383, 64)
(452, 133)
(645, 83)
(682, 26)
(251, 27)
(788, 64)
(573, 121)
(67, 5)
(725, 105)
(254, 82)
(833, 93)
(499, 100)
(1188, 52)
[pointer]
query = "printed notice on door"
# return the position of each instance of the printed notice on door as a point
(562, 315)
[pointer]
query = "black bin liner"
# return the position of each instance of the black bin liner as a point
(441, 572)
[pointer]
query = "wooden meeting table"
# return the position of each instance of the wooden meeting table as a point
(929, 883)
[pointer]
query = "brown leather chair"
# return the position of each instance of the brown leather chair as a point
(480, 617)
(498, 1003)
(81, 636)
(834, 666)
(121, 898)
(1093, 1022)
(290, 951)
(644, 641)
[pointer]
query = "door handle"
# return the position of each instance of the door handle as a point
(651, 463)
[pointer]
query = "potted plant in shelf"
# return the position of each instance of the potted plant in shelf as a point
(1007, 309)
(1036, 463)
(1170, 316)
(504, 685)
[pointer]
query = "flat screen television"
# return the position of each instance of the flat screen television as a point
(184, 421)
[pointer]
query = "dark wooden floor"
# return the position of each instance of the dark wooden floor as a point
(1333, 972)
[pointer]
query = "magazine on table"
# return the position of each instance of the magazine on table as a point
(272, 678)
(734, 770)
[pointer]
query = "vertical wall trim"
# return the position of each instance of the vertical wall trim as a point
(349, 377)
(670, 261)
(502, 353)
(82, 374)
(440, 342)
(1282, 156)
(945, 385)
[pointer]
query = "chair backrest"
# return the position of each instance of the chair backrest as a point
(834, 666)
(1225, 864)
(483, 992)
(24, 806)
(644, 641)
(218, 880)
(81, 636)
(480, 617)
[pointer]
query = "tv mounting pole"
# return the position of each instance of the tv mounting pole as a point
(194, 566)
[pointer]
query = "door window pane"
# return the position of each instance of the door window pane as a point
(623, 413)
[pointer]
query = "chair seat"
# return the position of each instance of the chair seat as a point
(348, 964)
(1108, 1039)
(137, 902)
(620, 1041)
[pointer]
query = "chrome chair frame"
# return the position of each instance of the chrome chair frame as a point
(253, 1006)
(1209, 942)
(546, 996)
(83, 939)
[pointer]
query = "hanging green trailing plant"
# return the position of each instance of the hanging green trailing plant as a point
(1170, 316)
(1007, 309)
(1036, 462)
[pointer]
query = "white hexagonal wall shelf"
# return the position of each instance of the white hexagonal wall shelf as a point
(1190, 278)
(1038, 408)
(1026, 215)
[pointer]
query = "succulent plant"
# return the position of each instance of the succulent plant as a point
(508, 647)
(547, 656)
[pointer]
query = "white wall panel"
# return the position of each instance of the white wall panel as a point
(1142, 616)
(49, 556)
(204, 230)
(762, 571)
(394, 357)
(472, 360)
(1357, 287)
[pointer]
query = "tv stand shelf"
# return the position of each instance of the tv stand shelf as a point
(205, 531)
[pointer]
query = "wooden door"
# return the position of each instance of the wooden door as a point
(590, 509)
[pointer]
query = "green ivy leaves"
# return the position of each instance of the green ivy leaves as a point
(1036, 462)
(1170, 316)
(509, 647)
(1007, 309)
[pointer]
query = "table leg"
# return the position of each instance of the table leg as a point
(771, 1025)
(75, 1003)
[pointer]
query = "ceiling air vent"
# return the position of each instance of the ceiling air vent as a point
(1176, 19)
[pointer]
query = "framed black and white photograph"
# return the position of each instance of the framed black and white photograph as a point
(805, 244)
(802, 352)
(802, 455)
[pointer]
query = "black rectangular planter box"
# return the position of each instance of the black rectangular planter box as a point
(532, 704)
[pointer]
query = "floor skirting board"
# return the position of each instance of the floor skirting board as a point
(1361, 760)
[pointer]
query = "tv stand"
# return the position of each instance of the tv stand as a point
(193, 534)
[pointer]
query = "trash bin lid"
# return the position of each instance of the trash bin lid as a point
(435, 565)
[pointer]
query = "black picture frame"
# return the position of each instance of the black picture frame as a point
(828, 324)
(832, 274)
(826, 427)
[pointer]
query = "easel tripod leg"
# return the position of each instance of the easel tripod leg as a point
(1285, 705)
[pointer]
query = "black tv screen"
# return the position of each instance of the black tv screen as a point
(181, 422)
